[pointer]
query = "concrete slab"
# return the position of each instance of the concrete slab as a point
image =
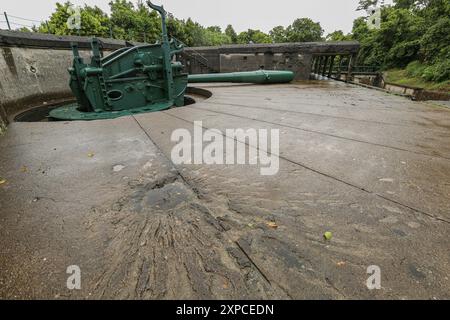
(372, 168)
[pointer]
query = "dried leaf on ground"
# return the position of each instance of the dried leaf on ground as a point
(272, 225)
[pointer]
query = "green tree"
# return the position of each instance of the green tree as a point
(125, 20)
(404, 4)
(253, 36)
(435, 43)
(304, 30)
(57, 23)
(432, 10)
(338, 35)
(147, 25)
(413, 34)
(214, 38)
(194, 33)
(278, 34)
(366, 4)
(400, 36)
(176, 28)
(229, 31)
(215, 29)
(94, 22)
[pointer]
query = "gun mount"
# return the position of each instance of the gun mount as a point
(139, 79)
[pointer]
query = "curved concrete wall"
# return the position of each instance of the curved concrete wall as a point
(32, 76)
(33, 69)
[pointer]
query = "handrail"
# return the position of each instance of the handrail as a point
(194, 51)
(344, 68)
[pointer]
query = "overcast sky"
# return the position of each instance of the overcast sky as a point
(242, 14)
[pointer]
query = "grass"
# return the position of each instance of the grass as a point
(409, 77)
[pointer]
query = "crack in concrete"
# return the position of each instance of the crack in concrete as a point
(329, 176)
(328, 134)
(320, 115)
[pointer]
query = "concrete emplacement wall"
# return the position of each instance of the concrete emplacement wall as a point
(33, 67)
(297, 57)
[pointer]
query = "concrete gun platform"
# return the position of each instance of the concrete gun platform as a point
(372, 168)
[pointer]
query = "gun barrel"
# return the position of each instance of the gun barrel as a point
(260, 77)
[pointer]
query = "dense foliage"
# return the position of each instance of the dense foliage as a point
(137, 22)
(414, 34)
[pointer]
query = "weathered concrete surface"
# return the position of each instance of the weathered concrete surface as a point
(371, 167)
(2, 125)
(32, 76)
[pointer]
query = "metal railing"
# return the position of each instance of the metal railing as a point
(357, 69)
(197, 56)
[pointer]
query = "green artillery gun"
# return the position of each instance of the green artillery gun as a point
(140, 79)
